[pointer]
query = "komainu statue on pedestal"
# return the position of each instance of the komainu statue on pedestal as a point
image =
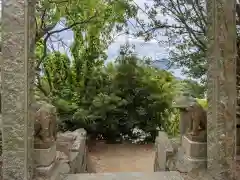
(45, 126)
(195, 115)
(198, 119)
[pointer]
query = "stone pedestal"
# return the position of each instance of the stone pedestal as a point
(186, 164)
(46, 164)
(193, 153)
(194, 149)
(45, 157)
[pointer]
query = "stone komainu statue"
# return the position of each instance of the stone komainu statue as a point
(45, 126)
(198, 118)
(195, 114)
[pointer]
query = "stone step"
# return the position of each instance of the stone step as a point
(52, 173)
(169, 175)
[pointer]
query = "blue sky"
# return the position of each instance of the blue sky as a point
(150, 49)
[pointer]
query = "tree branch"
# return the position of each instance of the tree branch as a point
(192, 35)
(48, 34)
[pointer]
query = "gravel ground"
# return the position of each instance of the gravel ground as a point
(122, 157)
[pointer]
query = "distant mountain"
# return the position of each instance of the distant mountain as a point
(161, 63)
(164, 64)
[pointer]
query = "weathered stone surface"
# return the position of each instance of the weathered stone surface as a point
(184, 122)
(45, 157)
(16, 87)
(66, 137)
(202, 137)
(194, 149)
(62, 156)
(47, 163)
(173, 156)
(125, 176)
(64, 148)
(183, 102)
(164, 150)
(73, 150)
(51, 172)
(183, 163)
(45, 170)
(193, 117)
(221, 87)
(198, 175)
(45, 127)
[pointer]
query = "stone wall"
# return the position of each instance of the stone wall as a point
(72, 151)
(165, 151)
(183, 155)
(55, 153)
(70, 154)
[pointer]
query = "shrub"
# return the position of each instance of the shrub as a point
(134, 96)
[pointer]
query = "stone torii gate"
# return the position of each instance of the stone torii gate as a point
(17, 75)
(222, 94)
(17, 72)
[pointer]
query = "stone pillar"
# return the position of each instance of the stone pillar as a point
(221, 126)
(17, 79)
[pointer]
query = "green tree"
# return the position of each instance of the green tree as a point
(191, 88)
(185, 29)
(92, 22)
(107, 100)
(118, 98)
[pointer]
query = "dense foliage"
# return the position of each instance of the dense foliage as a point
(94, 23)
(111, 101)
(117, 98)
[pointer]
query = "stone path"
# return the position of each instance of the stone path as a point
(122, 157)
(126, 176)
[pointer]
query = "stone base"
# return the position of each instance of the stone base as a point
(191, 155)
(45, 157)
(202, 137)
(193, 149)
(52, 172)
(45, 170)
(187, 164)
